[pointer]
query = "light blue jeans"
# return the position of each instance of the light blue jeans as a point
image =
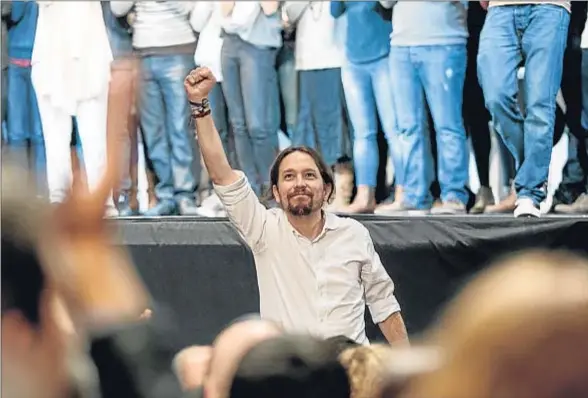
(535, 35)
(435, 74)
(165, 121)
(368, 93)
(251, 92)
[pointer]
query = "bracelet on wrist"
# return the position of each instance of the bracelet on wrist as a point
(200, 109)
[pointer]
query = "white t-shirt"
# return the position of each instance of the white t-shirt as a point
(319, 38)
(207, 19)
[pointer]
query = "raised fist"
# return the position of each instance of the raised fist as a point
(198, 84)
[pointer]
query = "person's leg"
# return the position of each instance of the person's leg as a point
(235, 103)
(361, 105)
(381, 81)
(301, 136)
(288, 79)
(327, 113)
(152, 116)
(259, 82)
(18, 116)
(57, 127)
(499, 57)
(39, 160)
(92, 121)
(543, 43)
(119, 110)
(173, 69)
(443, 75)
(416, 160)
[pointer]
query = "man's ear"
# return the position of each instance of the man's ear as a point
(276, 194)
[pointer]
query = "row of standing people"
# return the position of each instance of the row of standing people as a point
(316, 59)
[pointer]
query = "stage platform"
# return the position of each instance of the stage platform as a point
(203, 271)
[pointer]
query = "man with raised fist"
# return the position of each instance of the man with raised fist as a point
(316, 271)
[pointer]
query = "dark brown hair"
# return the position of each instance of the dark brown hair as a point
(324, 170)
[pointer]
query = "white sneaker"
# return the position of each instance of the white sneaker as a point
(526, 208)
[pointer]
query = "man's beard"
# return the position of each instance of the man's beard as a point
(301, 209)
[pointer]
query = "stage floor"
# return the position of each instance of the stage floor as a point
(200, 267)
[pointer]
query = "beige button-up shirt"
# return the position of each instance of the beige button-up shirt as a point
(318, 287)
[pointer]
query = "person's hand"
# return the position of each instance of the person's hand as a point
(198, 84)
(95, 278)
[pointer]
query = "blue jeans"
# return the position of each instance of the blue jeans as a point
(434, 74)
(165, 122)
(220, 116)
(368, 93)
(533, 35)
(250, 85)
(23, 122)
(288, 78)
(320, 116)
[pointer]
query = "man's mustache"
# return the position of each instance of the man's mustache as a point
(300, 191)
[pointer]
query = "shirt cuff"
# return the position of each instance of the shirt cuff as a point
(383, 309)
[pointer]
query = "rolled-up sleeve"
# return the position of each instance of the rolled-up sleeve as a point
(245, 211)
(378, 286)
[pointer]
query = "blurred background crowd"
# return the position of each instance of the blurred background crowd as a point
(414, 104)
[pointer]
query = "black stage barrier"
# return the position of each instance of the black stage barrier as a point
(204, 272)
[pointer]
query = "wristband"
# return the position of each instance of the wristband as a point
(200, 109)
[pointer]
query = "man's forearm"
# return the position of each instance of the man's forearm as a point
(213, 153)
(394, 329)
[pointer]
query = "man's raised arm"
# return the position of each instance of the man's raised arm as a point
(199, 84)
(245, 211)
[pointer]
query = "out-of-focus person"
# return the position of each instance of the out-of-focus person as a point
(191, 366)
(291, 366)
(319, 57)
(366, 369)
(509, 40)
(229, 348)
(251, 39)
(33, 344)
(24, 132)
(520, 329)
(62, 62)
(295, 240)
(165, 43)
